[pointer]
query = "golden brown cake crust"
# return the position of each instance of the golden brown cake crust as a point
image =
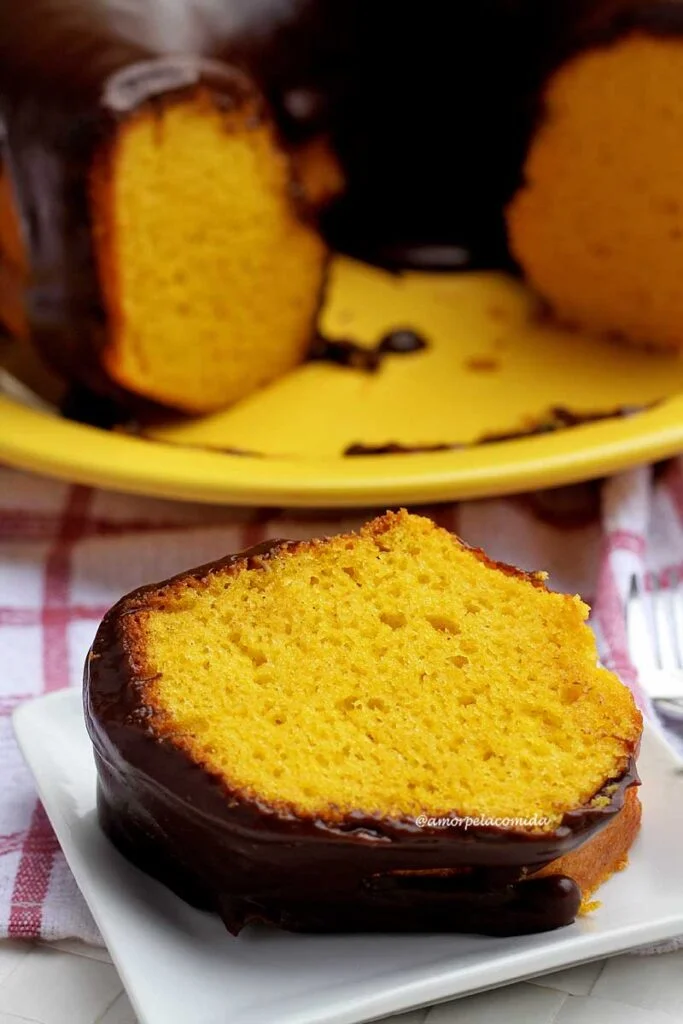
(249, 860)
(594, 862)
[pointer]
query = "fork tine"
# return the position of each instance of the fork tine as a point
(677, 612)
(664, 625)
(654, 626)
(654, 616)
(633, 588)
(642, 636)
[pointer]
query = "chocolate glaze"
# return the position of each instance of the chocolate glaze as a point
(345, 352)
(558, 417)
(593, 24)
(394, 448)
(82, 405)
(430, 117)
(48, 147)
(246, 860)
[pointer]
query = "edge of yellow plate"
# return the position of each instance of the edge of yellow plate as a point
(43, 443)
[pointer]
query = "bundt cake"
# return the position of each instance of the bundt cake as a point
(597, 225)
(171, 176)
(156, 236)
(188, 248)
(378, 731)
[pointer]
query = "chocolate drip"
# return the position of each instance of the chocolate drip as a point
(344, 352)
(82, 405)
(252, 861)
(394, 448)
(557, 418)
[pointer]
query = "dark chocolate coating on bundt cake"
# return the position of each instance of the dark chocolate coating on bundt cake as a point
(428, 110)
(428, 115)
(68, 95)
(47, 148)
(250, 861)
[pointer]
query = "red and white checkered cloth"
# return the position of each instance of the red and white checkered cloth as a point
(68, 552)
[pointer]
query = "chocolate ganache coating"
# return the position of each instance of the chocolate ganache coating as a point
(429, 114)
(63, 91)
(250, 861)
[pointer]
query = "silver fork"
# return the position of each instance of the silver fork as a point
(654, 619)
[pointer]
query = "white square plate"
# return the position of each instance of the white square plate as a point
(180, 965)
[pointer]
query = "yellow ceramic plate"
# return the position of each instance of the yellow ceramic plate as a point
(492, 366)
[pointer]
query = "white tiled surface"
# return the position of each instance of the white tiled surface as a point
(69, 983)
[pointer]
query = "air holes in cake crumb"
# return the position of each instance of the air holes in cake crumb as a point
(395, 620)
(487, 755)
(352, 703)
(257, 657)
(314, 580)
(350, 571)
(444, 624)
(466, 699)
(570, 693)
(263, 677)
(377, 704)
(472, 607)
(563, 742)
(459, 660)
(552, 721)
